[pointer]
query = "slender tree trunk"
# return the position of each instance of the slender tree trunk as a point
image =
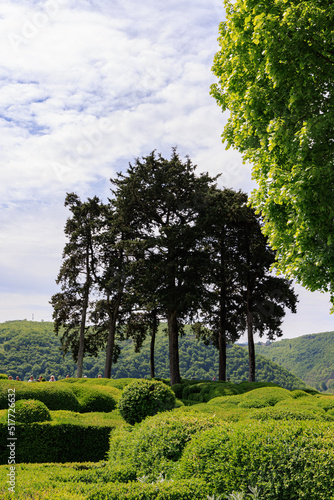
(113, 313)
(153, 336)
(222, 354)
(173, 336)
(81, 349)
(222, 340)
(251, 348)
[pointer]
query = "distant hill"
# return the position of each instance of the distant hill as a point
(28, 347)
(310, 357)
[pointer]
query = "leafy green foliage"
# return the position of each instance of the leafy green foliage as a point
(48, 441)
(275, 71)
(31, 348)
(182, 490)
(282, 450)
(260, 398)
(289, 461)
(144, 398)
(309, 357)
(93, 398)
(30, 344)
(156, 444)
(31, 410)
(55, 396)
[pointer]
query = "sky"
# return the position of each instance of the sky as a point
(87, 86)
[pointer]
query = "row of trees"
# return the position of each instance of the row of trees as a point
(169, 245)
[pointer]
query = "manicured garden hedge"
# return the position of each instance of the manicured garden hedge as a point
(48, 442)
(61, 396)
(285, 460)
(54, 395)
(169, 490)
(156, 444)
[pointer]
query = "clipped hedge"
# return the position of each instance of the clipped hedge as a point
(31, 410)
(93, 399)
(167, 490)
(48, 442)
(280, 413)
(285, 460)
(263, 397)
(144, 398)
(55, 395)
(155, 445)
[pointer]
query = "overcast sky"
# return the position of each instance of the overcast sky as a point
(86, 87)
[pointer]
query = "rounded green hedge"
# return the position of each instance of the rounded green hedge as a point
(265, 396)
(285, 460)
(55, 395)
(93, 398)
(28, 411)
(281, 413)
(155, 445)
(144, 398)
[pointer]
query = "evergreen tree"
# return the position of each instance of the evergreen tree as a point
(71, 305)
(160, 201)
(221, 314)
(264, 296)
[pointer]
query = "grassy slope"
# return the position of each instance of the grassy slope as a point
(310, 357)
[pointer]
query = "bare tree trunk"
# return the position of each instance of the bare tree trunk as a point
(111, 337)
(173, 336)
(251, 347)
(81, 349)
(222, 335)
(222, 354)
(152, 346)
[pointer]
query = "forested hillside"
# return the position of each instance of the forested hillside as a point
(310, 357)
(28, 347)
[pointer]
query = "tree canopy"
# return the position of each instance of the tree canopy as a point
(276, 74)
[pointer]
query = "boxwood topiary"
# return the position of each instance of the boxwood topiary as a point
(93, 398)
(286, 460)
(28, 411)
(144, 398)
(156, 444)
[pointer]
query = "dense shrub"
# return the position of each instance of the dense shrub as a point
(116, 473)
(266, 396)
(326, 402)
(166, 490)
(3, 376)
(156, 444)
(280, 413)
(56, 396)
(299, 394)
(205, 391)
(92, 398)
(49, 442)
(177, 389)
(30, 410)
(144, 398)
(289, 461)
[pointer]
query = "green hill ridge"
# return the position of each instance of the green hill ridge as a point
(310, 357)
(28, 347)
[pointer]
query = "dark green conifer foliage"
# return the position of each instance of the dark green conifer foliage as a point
(160, 202)
(71, 305)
